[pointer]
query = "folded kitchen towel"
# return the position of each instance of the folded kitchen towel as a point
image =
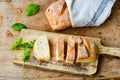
(89, 12)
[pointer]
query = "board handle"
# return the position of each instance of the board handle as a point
(109, 51)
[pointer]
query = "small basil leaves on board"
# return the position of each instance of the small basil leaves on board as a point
(18, 26)
(26, 55)
(32, 9)
(17, 44)
(26, 46)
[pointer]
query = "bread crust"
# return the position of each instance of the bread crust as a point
(58, 15)
(91, 48)
(60, 49)
(70, 57)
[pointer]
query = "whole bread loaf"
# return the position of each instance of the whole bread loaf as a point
(58, 15)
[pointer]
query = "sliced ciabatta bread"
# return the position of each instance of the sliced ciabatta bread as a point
(41, 49)
(82, 52)
(60, 48)
(70, 56)
(91, 48)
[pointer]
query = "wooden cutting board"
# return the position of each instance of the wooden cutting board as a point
(12, 12)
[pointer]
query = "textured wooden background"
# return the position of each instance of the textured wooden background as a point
(12, 11)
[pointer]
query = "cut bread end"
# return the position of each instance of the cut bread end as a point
(41, 49)
(92, 50)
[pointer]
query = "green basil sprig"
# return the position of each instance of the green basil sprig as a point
(18, 26)
(26, 45)
(32, 9)
(26, 55)
(17, 44)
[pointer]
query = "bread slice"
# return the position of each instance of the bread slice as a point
(82, 52)
(58, 15)
(91, 48)
(41, 49)
(60, 48)
(70, 56)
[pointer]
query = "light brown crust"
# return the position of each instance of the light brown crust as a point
(91, 47)
(60, 48)
(70, 57)
(58, 15)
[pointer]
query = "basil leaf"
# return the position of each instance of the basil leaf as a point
(27, 45)
(13, 47)
(31, 9)
(17, 44)
(19, 41)
(26, 55)
(32, 42)
(18, 26)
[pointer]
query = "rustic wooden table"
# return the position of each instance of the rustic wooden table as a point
(12, 11)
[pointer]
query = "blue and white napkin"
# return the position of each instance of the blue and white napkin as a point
(89, 12)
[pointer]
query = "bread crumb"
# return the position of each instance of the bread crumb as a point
(9, 34)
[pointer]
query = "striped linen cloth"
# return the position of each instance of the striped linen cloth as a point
(85, 13)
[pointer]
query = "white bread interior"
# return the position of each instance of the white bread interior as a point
(41, 50)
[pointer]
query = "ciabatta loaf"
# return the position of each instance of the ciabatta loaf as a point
(58, 15)
(41, 49)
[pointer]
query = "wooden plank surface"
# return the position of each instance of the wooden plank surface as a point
(13, 11)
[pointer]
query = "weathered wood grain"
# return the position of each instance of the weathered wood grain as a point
(12, 12)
